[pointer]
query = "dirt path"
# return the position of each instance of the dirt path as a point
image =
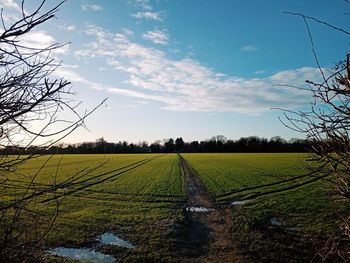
(205, 236)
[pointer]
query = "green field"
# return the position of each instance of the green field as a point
(264, 181)
(279, 202)
(228, 173)
(140, 197)
(136, 196)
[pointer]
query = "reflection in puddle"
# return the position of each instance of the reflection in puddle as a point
(237, 202)
(275, 222)
(111, 239)
(199, 209)
(83, 254)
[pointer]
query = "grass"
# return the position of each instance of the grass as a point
(140, 196)
(226, 173)
(269, 221)
(232, 177)
(137, 196)
(150, 176)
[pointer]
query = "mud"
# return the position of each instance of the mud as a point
(204, 237)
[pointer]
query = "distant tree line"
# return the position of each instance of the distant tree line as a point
(218, 143)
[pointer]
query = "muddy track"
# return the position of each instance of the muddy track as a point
(204, 236)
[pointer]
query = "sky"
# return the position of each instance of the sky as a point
(194, 68)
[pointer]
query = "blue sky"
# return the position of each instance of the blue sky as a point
(194, 68)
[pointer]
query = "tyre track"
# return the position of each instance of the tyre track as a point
(52, 189)
(111, 177)
(204, 237)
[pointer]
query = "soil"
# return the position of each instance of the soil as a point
(204, 236)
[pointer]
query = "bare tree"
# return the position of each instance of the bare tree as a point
(327, 127)
(31, 101)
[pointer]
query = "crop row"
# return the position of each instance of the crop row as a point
(91, 176)
(275, 187)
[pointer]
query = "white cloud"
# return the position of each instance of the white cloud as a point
(10, 4)
(41, 40)
(148, 16)
(127, 32)
(143, 4)
(157, 37)
(38, 39)
(34, 39)
(71, 28)
(67, 72)
(12, 11)
(91, 7)
(249, 48)
(70, 66)
(188, 85)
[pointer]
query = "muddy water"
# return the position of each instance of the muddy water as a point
(91, 255)
(237, 202)
(199, 209)
(83, 254)
(275, 222)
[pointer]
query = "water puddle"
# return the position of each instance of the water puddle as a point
(111, 239)
(237, 202)
(292, 230)
(200, 209)
(275, 222)
(83, 254)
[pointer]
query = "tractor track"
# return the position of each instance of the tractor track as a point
(112, 178)
(204, 236)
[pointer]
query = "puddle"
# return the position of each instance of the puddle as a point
(292, 230)
(199, 209)
(111, 239)
(237, 202)
(83, 254)
(275, 222)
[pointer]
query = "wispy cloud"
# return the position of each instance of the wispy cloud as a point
(41, 40)
(127, 32)
(35, 39)
(249, 48)
(9, 4)
(188, 85)
(143, 4)
(91, 7)
(68, 72)
(70, 28)
(157, 36)
(12, 11)
(156, 16)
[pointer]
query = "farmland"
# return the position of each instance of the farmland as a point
(122, 193)
(271, 213)
(258, 178)
(142, 198)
